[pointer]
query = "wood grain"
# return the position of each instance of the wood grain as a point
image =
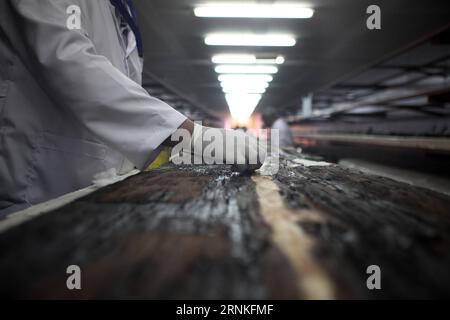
(205, 232)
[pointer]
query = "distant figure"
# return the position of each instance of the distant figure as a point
(274, 121)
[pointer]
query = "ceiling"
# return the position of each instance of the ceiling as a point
(332, 45)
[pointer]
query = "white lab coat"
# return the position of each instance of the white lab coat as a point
(71, 101)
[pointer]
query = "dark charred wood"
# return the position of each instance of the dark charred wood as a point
(372, 220)
(198, 233)
(171, 233)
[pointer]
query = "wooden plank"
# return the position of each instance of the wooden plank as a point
(205, 232)
(171, 233)
(313, 283)
(371, 220)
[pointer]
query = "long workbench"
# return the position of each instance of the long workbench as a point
(310, 231)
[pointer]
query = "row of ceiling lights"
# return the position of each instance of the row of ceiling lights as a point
(245, 77)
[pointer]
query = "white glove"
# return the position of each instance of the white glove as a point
(223, 146)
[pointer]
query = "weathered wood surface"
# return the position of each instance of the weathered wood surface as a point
(208, 233)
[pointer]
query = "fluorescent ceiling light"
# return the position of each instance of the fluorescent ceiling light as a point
(277, 60)
(246, 69)
(253, 10)
(245, 39)
(242, 105)
(245, 77)
(244, 87)
(244, 59)
(233, 90)
(234, 58)
(245, 84)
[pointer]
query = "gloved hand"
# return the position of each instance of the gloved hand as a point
(161, 159)
(216, 146)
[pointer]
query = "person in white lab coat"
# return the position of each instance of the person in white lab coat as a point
(272, 120)
(71, 100)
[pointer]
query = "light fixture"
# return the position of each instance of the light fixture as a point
(234, 58)
(246, 69)
(244, 87)
(233, 90)
(277, 60)
(246, 39)
(242, 105)
(253, 10)
(244, 59)
(245, 84)
(245, 77)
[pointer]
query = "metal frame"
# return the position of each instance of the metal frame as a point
(347, 95)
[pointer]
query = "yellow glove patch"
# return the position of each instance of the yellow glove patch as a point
(162, 158)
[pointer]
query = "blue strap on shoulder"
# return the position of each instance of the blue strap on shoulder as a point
(124, 7)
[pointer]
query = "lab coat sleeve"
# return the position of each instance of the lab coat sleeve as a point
(113, 107)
